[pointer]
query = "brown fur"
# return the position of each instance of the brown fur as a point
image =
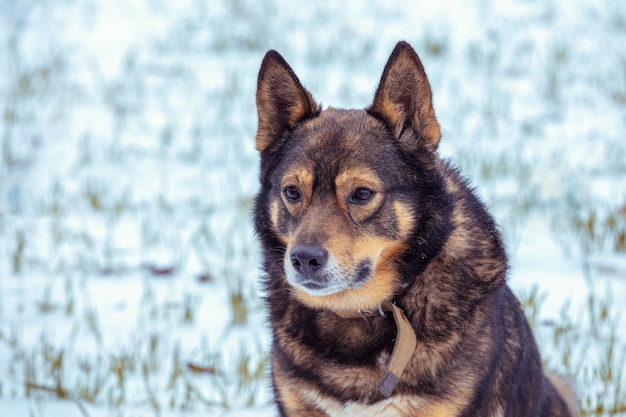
(356, 209)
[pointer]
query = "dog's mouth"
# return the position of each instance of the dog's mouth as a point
(329, 278)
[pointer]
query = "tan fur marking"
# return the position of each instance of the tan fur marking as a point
(274, 208)
(274, 212)
(442, 410)
(459, 240)
(405, 218)
(396, 406)
(392, 112)
(358, 177)
(294, 402)
(301, 178)
(348, 182)
(350, 254)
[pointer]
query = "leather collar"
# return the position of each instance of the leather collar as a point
(403, 348)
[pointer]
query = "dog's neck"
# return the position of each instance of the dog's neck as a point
(403, 348)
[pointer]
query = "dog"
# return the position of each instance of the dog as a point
(385, 276)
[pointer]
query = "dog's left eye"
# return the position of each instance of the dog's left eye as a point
(292, 193)
(361, 195)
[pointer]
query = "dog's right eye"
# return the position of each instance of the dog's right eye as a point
(292, 194)
(361, 195)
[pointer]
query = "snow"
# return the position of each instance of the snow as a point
(128, 169)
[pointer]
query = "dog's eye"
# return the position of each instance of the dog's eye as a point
(292, 194)
(361, 195)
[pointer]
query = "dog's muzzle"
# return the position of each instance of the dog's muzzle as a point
(312, 269)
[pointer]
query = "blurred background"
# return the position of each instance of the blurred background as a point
(129, 274)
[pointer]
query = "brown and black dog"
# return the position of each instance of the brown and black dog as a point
(358, 218)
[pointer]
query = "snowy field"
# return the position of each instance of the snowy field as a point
(128, 268)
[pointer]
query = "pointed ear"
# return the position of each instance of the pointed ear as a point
(281, 100)
(404, 100)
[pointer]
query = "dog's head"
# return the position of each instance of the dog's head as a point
(347, 196)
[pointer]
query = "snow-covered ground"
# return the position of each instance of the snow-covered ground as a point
(128, 269)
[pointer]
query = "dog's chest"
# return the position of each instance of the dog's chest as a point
(392, 407)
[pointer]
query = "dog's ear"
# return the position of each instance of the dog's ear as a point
(281, 100)
(404, 100)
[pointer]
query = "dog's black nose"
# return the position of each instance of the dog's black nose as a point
(308, 259)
